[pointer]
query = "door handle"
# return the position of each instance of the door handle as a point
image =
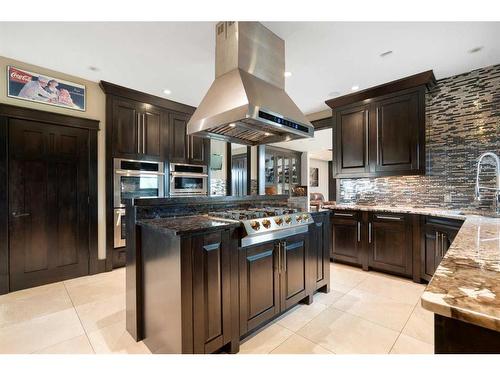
(138, 133)
(359, 231)
(18, 214)
(143, 133)
(443, 237)
(284, 256)
(278, 245)
(369, 232)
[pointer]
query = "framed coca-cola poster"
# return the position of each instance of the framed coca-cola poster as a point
(41, 88)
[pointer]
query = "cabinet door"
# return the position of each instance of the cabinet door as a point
(436, 241)
(395, 134)
(346, 237)
(211, 291)
(294, 272)
(319, 236)
(351, 134)
(150, 133)
(125, 129)
(259, 285)
(390, 249)
(178, 138)
(199, 150)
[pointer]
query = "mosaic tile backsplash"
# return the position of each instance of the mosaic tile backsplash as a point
(462, 122)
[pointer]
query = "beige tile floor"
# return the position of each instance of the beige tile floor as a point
(365, 312)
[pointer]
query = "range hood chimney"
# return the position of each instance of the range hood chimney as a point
(247, 102)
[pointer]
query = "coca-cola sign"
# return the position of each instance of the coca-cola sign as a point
(34, 87)
(16, 75)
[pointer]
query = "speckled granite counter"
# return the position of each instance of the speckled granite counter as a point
(189, 224)
(466, 284)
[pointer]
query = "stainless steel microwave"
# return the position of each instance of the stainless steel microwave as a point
(188, 180)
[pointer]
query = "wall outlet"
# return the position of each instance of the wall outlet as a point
(447, 198)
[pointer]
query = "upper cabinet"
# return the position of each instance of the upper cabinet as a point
(381, 131)
(184, 148)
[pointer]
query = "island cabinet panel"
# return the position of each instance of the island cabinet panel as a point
(259, 285)
(294, 270)
(390, 243)
(347, 244)
(352, 140)
(320, 245)
(272, 277)
(211, 291)
(437, 236)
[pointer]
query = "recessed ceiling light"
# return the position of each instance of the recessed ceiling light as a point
(386, 53)
(475, 49)
(232, 124)
(355, 87)
(288, 74)
(94, 68)
(267, 134)
(167, 92)
(333, 93)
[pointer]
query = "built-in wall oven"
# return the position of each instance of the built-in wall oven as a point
(188, 180)
(134, 179)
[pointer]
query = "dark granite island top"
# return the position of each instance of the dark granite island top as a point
(188, 224)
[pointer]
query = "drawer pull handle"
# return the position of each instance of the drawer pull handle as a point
(341, 214)
(395, 218)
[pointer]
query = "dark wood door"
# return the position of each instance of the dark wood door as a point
(389, 239)
(126, 129)
(351, 141)
(395, 134)
(48, 203)
(259, 285)
(320, 248)
(211, 291)
(294, 273)
(178, 138)
(151, 133)
(347, 245)
(239, 175)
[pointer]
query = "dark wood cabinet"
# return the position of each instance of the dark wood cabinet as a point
(347, 241)
(184, 148)
(136, 130)
(437, 236)
(320, 249)
(351, 139)
(390, 243)
(381, 131)
(272, 277)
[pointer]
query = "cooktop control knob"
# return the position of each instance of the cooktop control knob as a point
(278, 220)
(305, 217)
(255, 225)
(266, 223)
(288, 219)
(298, 217)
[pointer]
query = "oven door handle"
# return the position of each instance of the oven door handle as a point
(187, 174)
(138, 173)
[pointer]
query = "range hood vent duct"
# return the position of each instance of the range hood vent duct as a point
(247, 102)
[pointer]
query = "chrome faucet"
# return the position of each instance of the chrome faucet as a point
(477, 191)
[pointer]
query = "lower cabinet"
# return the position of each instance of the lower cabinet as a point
(272, 277)
(320, 250)
(347, 244)
(437, 236)
(390, 243)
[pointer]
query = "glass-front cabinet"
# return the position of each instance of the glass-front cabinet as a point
(282, 170)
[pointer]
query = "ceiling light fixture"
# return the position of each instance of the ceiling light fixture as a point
(167, 92)
(475, 49)
(355, 87)
(267, 134)
(94, 68)
(386, 53)
(333, 93)
(288, 74)
(232, 125)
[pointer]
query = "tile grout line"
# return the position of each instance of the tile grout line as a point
(402, 329)
(79, 319)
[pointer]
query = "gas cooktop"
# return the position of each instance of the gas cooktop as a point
(267, 223)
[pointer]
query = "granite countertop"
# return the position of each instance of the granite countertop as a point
(189, 224)
(466, 284)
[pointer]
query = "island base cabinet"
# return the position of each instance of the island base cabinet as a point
(273, 277)
(320, 249)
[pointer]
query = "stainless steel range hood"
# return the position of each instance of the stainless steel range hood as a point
(247, 102)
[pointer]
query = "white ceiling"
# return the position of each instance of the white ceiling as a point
(324, 57)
